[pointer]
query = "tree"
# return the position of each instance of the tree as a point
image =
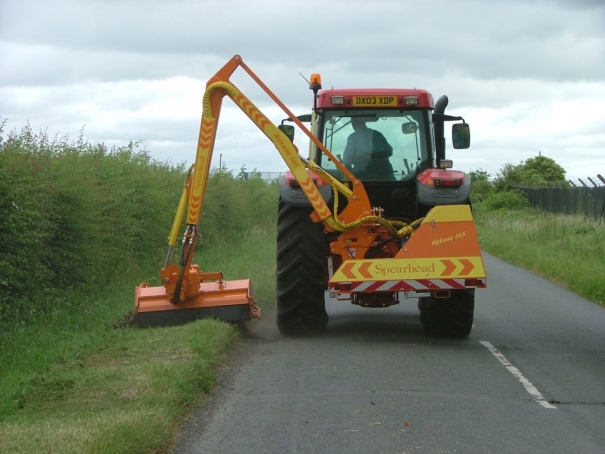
(546, 168)
(532, 172)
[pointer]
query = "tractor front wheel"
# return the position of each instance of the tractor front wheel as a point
(301, 307)
(448, 316)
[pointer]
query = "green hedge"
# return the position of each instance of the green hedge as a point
(235, 204)
(75, 215)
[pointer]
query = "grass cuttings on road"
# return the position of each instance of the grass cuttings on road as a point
(568, 250)
(87, 384)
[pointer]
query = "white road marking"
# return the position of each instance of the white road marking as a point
(531, 389)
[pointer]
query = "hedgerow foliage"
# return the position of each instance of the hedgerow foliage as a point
(234, 204)
(75, 215)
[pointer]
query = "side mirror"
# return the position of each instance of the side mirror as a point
(409, 128)
(461, 135)
(288, 130)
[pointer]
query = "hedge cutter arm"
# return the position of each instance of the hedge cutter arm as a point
(188, 293)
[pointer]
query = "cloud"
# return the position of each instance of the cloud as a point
(527, 75)
(482, 39)
(48, 64)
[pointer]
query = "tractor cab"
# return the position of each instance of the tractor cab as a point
(384, 137)
(390, 139)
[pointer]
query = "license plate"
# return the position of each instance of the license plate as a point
(375, 100)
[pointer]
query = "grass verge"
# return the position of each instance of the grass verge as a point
(124, 394)
(253, 257)
(82, 382)
(568, 250)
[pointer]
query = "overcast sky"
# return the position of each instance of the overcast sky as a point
(529, 76)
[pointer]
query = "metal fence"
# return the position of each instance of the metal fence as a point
(583, 200)
(267, 176)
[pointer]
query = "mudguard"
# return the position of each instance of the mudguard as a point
(432, 196)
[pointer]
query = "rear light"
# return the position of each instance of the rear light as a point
(442, 178)
(474, 283)
(338, 100)
(343, 287)
(445, 182)
(293, 182)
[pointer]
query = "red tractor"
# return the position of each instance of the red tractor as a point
(399, 225)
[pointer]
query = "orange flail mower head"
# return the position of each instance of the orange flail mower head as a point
(230, 301)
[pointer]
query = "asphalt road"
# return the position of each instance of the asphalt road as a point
(529, 379)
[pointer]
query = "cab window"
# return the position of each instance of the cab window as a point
(375, 145)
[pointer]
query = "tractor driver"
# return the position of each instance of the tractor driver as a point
(367, 153)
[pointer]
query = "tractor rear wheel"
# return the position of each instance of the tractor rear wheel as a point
(301, 306)
(448, 316)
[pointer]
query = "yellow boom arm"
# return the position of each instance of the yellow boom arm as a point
(356, 213)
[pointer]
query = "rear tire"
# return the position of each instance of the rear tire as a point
(448, 316)
(301, 306)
